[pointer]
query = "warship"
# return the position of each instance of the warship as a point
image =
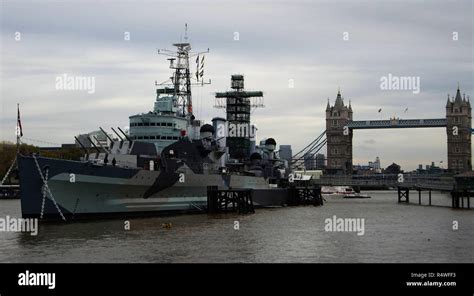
(167, 160)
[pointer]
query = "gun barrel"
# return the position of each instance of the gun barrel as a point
(111, 140)
(82, 146)
(121, 139)
(96, 148)
(128, 138)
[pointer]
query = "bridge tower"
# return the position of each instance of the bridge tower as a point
(339, 145)
(458, 128)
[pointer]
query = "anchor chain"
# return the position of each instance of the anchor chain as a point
(44, 195)
(45, 184)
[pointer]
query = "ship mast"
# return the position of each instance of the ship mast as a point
(181, 81)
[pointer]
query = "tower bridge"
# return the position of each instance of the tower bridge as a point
(338, 139)
(340, 126)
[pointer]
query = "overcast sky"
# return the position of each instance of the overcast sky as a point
(278, 41)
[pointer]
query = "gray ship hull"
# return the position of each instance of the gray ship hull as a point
(81, 189)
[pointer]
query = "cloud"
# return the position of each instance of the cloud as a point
(278, 41)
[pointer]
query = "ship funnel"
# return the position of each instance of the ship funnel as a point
(207, 131)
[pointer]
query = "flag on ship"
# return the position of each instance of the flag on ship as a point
(19, 127)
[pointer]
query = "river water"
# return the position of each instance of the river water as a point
(393, 233)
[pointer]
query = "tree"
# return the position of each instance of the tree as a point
(8, 154)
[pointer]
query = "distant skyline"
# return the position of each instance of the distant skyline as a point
(299, 53)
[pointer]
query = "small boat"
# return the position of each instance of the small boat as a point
(337, 191)
(356, 195)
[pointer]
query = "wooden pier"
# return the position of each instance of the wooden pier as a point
(229, 200)
(460, 199)
(240, 200)
(403, 194)
(305, 196)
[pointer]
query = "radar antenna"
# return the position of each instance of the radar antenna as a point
(180, 83)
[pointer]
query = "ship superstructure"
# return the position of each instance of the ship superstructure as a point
(172, 116)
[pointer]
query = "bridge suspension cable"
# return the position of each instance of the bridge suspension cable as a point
(315, 146)
(312, 143)
(314, 150)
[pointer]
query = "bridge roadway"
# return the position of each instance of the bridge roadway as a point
(424, 182)
(397, 123)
